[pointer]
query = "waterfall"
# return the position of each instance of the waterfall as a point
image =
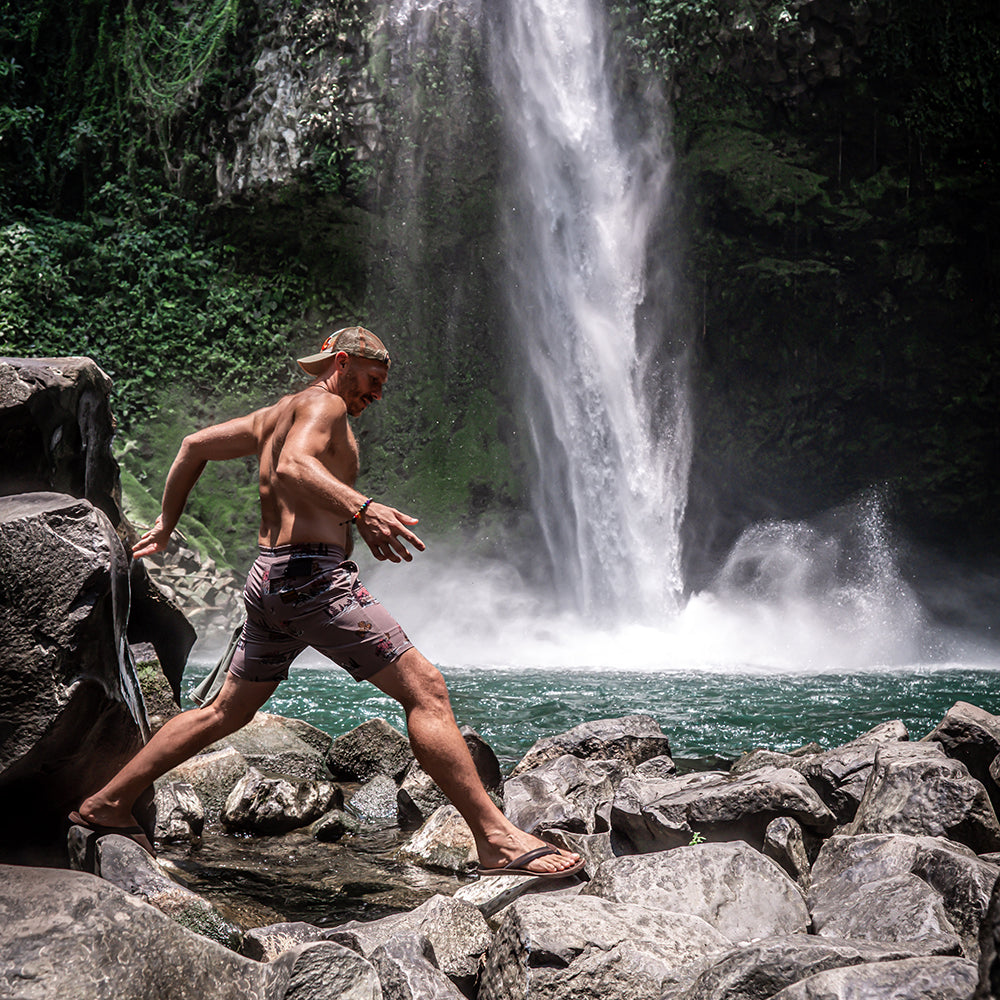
(611, 466)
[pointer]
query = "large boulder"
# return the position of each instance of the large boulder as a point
(631, 739)
(456, 930)
(847, 867)
(269, 743)
(407, 969)
(759, 970)
(55, 436)
(581, 947)
(914, 788)
(372, 748)
(213, 775)
(657, 815)
(71, 934)
(971, 735)
(732, 887)
(907, 979)
(71, 711)
(276, 803)
(564, 793)
(444, 842)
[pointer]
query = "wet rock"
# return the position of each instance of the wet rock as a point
(580, 947)
(372, 748)
(734, 889)
(962, 880)
(213, 775)
(268, 804)
(456, 930)
(322, 969)
(971, 735)
(444, 842)
(179, 813)
(121, 947)
(916, 789)
(268, 744)
(419, 796)
(594, 848)
(407, 969)
(759, 970)
(71, 713)
(631, 739)
(659, 815)
(125, 864)
(566, 793)
(908, 979)
(785, 844)
(375, 800)
(333, 825)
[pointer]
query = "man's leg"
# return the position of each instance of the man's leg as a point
(180, 738)
(439, 747)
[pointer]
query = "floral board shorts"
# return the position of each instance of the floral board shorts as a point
(309, 595)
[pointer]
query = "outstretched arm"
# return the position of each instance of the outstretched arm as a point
(232, 439)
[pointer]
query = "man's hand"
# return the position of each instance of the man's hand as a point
(155, 540)
(384, 528)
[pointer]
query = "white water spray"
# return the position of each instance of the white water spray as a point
(610, 485)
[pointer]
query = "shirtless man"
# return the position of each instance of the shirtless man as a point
(302, 591)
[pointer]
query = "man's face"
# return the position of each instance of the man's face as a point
(362, 383)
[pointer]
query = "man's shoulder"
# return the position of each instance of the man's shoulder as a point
(315, 401)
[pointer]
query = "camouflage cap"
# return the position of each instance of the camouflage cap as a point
(353, 340)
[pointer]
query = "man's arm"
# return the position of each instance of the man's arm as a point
(232, 439)
(319, 431)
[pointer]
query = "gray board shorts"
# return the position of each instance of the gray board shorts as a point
(309, 595)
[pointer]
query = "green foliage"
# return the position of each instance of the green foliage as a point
(152, 304)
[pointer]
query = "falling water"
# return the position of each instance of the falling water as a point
(610, 484)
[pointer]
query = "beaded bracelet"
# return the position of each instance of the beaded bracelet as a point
(359, 512)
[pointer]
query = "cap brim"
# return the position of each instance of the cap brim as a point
(315, 363)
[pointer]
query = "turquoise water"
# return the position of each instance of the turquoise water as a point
(704, 713)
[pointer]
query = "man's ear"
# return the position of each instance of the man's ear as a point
(342, 359)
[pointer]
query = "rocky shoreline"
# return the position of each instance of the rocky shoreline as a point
(861, 870)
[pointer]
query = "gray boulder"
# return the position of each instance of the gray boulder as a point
(213, 775)
(56, 429)
(785, 844)
(971, 735)
(631, 739)
(71, 712)
(419, 796)
(268, 804)
(963, 882)
(907, 979)
(456, 930)
(565, 793)
(989, 950)
(268, 743)
(444, 842)
(372, 748)
(914, 788)
(323, 969)
(123, 863)
(659, 815)
(758, 970)
(309, 734)
(180, 816)
(894, 908)
(71, 934)
(407, 969)
(733, 888)
(264, 944)
(375, 800)
(582, 947)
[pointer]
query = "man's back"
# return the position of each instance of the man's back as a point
(301, 440)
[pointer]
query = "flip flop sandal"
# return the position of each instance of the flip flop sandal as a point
(519, 866)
